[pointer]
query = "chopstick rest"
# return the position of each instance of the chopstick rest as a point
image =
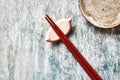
(64, 25)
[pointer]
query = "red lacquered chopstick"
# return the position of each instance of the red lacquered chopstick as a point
(82, 61)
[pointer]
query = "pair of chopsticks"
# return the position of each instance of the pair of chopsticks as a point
(77, 55)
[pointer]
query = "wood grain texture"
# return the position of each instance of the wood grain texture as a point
(24, 54)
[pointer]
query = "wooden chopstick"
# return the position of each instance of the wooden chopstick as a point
(82, 61)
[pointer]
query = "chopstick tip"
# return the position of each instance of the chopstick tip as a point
(46, 15)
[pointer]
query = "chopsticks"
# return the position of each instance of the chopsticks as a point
(77, 55)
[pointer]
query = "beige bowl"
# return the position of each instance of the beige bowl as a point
(101, 13)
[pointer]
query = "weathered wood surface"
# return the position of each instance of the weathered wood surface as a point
(24, 55)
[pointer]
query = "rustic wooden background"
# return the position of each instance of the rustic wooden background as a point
(24, 54)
